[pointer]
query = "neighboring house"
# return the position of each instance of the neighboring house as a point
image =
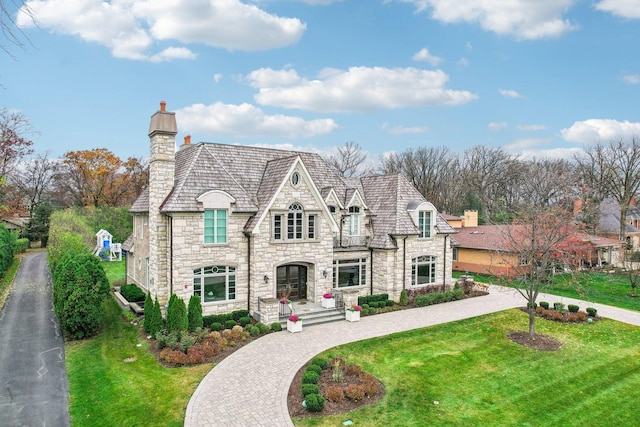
(15, 224)
(484, 249)
(243, 226)
(609, 224)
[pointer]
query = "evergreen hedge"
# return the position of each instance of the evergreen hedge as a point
(194, 313)
(176, 314)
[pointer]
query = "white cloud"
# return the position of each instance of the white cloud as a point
(129, 28)
(424, 55)
(401, 130)
(594, 131)
(624, 8)
(530, 127)
(524, 19)
(247, 120)
(530, 148)
(507, 93)
(633, 79)
(217, 77)
(496, 126)
(357, 89)
(464, 62)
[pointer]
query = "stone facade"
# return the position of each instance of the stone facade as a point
(262, 191)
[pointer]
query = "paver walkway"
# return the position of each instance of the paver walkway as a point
(249, 388)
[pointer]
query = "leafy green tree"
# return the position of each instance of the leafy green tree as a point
(194, 314)
(38, 226)
(176, 314)
(68, 232)
(148, 308)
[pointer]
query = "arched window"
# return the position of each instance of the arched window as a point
(294, 221)
(215, 283)
(423, 270)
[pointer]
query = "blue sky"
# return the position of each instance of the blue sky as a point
(540, 78)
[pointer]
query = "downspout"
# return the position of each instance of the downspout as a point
(371, 272)
(404, 263)
(248, 272)
(444, 264)
(170, 255)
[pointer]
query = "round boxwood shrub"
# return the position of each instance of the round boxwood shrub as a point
(264, 329)
(390, 303)
(308, 389)
(320, 361)
(276, 327)
(592, 311)
(310, 378)
(373, 304)
(254, 331)
(315, 402)
(314, 368)
(244, 321)
(216, 326)
(229, 324)
(544, 305)
(573, 308)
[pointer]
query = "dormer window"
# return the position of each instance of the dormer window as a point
(424, 224)
(354, 220)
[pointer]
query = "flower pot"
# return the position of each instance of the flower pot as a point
(352, 316)
(328, 302)
(294, 326)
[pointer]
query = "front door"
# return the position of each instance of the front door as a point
(291, 280)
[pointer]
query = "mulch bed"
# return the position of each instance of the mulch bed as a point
(295, 398)
(537, 342)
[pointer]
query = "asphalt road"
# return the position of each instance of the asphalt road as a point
(33, 380)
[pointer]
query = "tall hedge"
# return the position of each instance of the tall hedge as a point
(148, 308)
(155, 319)
(194, 313)
(7, 249)
(176, 314)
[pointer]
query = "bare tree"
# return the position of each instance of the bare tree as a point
(536, 243)
(613, 170)
(10, 30)
(35, 179)
(349, 160)
(548, 182)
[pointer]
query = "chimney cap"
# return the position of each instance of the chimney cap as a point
(163, 106)
(187, 139)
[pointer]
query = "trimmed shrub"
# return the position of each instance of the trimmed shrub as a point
(320, 361)
(354, 392)
(437, 298)
(194, 314)
(229, 324)
(237, 314)
(544, 305)
(353, 370)
(264, 329)
(314, 368)
(177, 314)
(173, 357)
(592, 311)
(308, 389)
(254, 331)
(310, 378)
(314, 402)
(208, 320)
(404, 297)
(334, 394)
(22, 245)
(558, 306)
(244, 321)
(276, 327)
(573, 308)
(132, 293)
(390, 303)
(370, 388)
(216, 326)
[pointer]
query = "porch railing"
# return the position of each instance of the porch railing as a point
(284, 310)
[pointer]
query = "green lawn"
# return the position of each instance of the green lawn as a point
(479, 377)
(115, 272)
(107, 390)
(600, 287)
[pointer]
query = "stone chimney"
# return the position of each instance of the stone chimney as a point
(470, 219)
(162, 136)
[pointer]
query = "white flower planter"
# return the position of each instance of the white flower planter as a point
(352, 316)
(294, 326)
(328, 302)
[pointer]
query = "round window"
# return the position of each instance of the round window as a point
(295, 179)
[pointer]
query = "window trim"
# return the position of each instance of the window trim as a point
(424, 260)
(230, 282)
(425, 228)
(214, 235)
(360, 263)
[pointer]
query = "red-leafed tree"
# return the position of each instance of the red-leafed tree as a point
(539, 243)
(14, 146)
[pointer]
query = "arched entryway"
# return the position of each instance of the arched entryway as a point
(291, 280)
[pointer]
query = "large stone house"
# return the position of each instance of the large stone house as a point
(244, 226)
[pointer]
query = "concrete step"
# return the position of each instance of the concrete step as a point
(317, 317)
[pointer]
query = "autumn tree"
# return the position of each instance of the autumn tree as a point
(613, 170)
(14, 146)
(537, 243)
(349, 160)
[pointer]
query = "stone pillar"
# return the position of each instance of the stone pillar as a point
(350, 298)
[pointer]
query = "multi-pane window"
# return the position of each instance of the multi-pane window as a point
(354, 221)
(215, 226)
(311, 227)
(277, 227)
(455, 254)
(349, 272)
(294, 222)
(215, 283)
(423, 270)
(424, 224)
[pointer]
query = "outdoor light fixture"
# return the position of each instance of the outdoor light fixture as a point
(266, 279)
